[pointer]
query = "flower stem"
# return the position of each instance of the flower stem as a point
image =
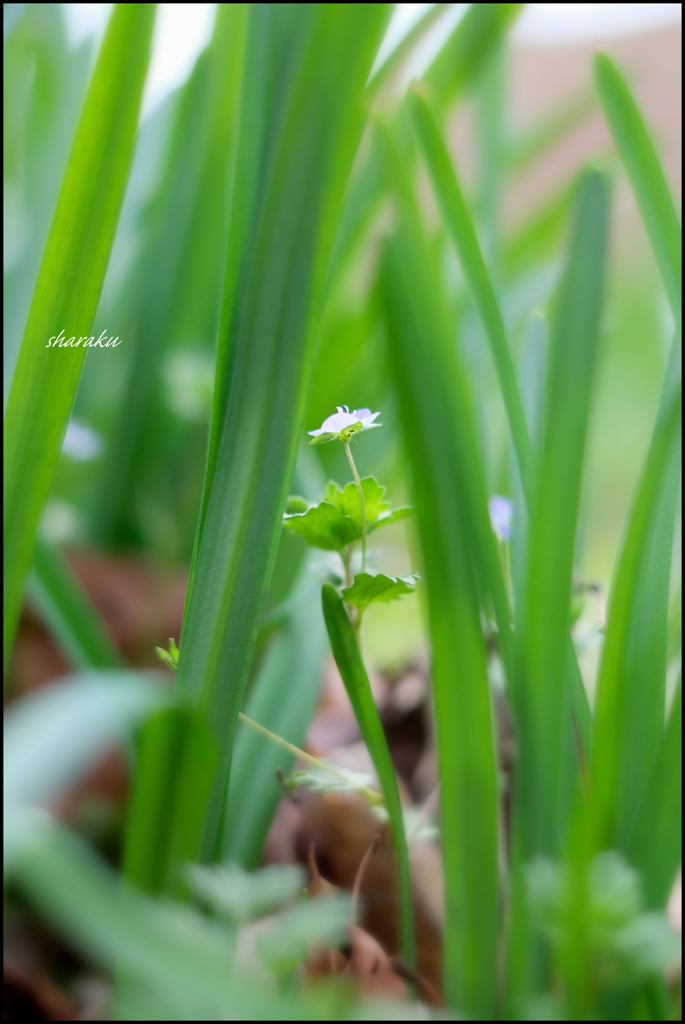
(361, 501)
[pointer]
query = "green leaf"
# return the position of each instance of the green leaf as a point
(387, 518)
(632, 680)
(170, 301)
(655, 846)
(630, 696)
(239, 896)
(347, 500)
(169, 947)
(351, 667)
(463, 54)
(68, 288)
(367, 588)
(176, 762)
(295, 147)
(646, 176)
(463, 237)
(296, 505)
(460, 556)
(283, 697)
(324, 526)
(55, 733)
(544, 727)
(68, 613)
(323, 438)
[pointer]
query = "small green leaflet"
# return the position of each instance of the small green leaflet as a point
(324, 526)
(170, 657)
(337, 520)
(367, 588)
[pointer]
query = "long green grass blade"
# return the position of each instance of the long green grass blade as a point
(543, 626)
(282, 698)
(177, 756)
(630, 698)
(646, 176)
(655, 845)
(478, 30)
(68, 613)
(449, 493)
(351, 667)
(458, 224)
(68, 288)
(272, 302)
(177, 295)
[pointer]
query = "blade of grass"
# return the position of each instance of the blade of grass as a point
(449, 493)
(177, 757)
(177, 296)
(646, 176)
(478, 30)
(269, 322)
(351, 667)
(463, 237)
(630, 697)
(68, 288)
(282, 698)
(543, 624)
(460, 228)
(415, 34)
(68, 613)
(655, 846)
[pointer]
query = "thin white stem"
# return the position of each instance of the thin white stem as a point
(361, 501)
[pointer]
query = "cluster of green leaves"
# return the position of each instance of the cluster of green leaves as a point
(336, 522)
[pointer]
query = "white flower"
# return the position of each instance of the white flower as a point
(501, 513)
(343, 424)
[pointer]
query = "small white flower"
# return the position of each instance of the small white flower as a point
(501, 514)
(344, 423)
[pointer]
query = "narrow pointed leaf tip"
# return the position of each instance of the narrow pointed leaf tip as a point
(367, 588)
(343, 423)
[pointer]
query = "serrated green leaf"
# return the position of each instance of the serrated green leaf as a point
(367, 588)
(324, 526)
(347, 500)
